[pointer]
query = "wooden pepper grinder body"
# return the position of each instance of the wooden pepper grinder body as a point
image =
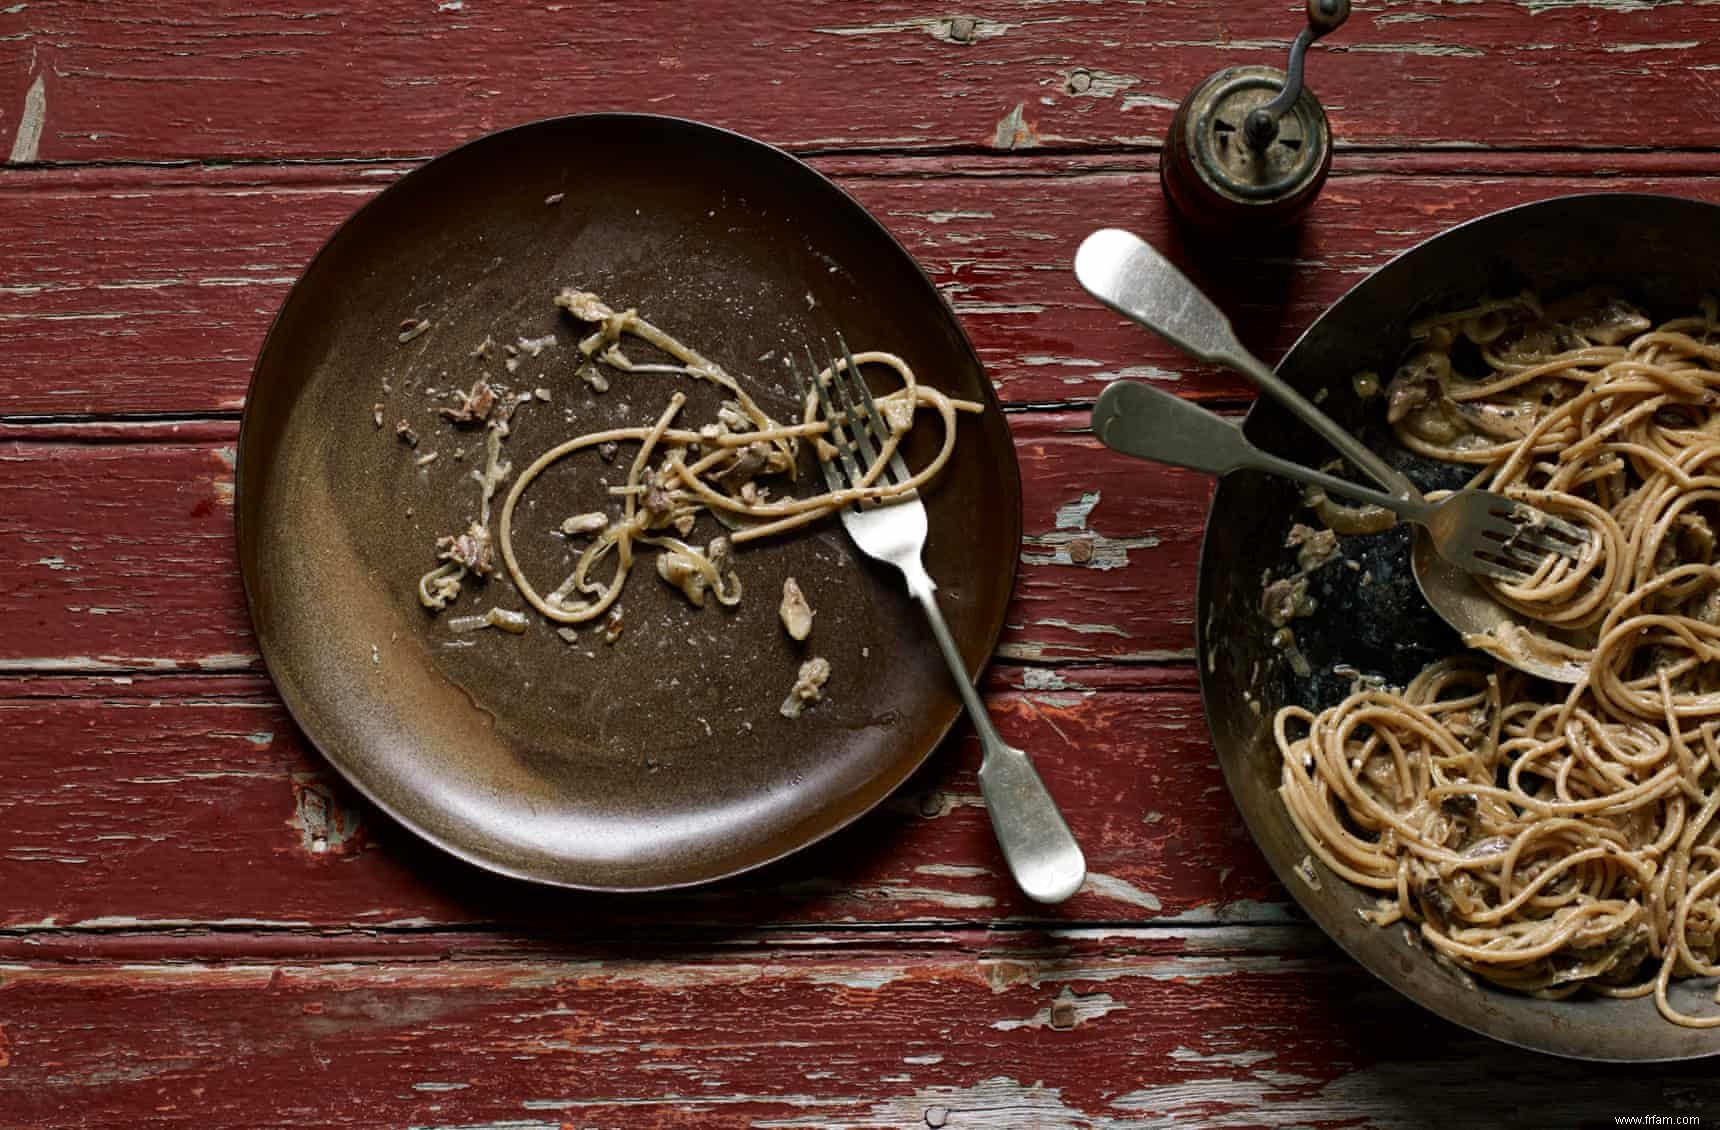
(1249, 147)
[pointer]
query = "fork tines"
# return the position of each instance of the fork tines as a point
(1541, 531)
(1525, 536)
(857, 428)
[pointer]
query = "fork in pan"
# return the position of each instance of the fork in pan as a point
(1041, 851)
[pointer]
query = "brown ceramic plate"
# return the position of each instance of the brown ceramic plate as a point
(660, 760)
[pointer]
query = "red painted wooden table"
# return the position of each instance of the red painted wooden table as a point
(199, 925)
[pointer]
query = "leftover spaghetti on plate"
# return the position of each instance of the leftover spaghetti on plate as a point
(724, 467)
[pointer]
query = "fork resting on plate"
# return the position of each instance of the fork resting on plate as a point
(1041, 851)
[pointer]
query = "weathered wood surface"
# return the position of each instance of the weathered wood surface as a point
(125, 794)
(407, 77)
(199, 924)
(120, 555)
(1112, 1029)
(150, 290)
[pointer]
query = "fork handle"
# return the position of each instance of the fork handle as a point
(1041, 850)
(1150, 423)
(1132, 277)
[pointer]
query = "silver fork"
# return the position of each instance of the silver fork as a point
(1132, 277)
(1041, 851)
(1476, 530)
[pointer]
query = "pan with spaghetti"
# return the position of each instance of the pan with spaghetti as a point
(520, 569)
(1537, 861)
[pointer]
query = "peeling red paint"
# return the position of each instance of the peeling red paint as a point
(1128, 742)
(1041, 338)
(328, 818)
(1014, 131)
(164, 934)
(1208, 1030)
(798, 74)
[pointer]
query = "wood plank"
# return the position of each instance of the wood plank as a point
(1110, 551)
(120, 556)
(1055, 1032)
(350, 79)
(138, 800)
(150, 290)
(159, 301)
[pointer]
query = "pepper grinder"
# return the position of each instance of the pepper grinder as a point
(1249, 147)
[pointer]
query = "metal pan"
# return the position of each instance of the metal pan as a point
(659, 760)
(1661, 250)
